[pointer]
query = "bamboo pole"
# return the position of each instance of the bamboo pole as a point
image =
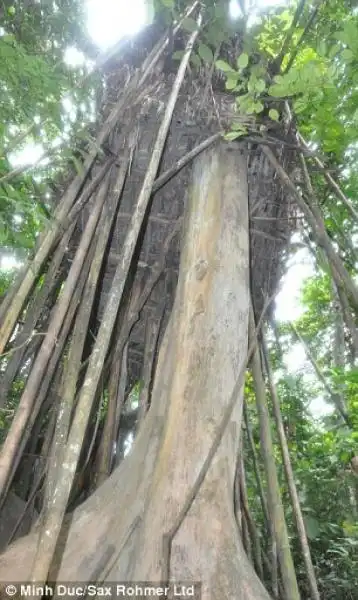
(28, 399)
(254, 535)
(51, 368)
(256, 470)
(290, 477)
(275, 505)
(80, 331)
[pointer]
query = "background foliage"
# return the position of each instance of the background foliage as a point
(42, 102)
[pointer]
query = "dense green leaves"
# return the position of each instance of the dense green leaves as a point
(40, 100)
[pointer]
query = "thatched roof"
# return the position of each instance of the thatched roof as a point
(196, 117)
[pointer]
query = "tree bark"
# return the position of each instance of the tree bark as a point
(118, 533)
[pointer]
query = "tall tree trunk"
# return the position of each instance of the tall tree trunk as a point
(202, 353)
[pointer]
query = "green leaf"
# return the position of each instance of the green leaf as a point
(258, 71)
(250, 108)
(189, 25)
(251, 85)
(258, 107)
(348, 35)
(168, 3)
(274, 114)
(224, 66)
(242, 61)
(233, 135)
(238, 127)
(276, 91)
(312, 527)
(334, 50)
(205, 53)
(3, 234)
(230, 83)
(286, 16)
(247, 104)
(300, 105)
(195, 60)
(214, 35)
(260, 85)
(256, 85)
(347, 54)
(322, 48)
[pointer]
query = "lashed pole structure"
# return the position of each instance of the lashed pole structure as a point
(149, 518)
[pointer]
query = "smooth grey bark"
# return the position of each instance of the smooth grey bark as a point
(117, 534)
